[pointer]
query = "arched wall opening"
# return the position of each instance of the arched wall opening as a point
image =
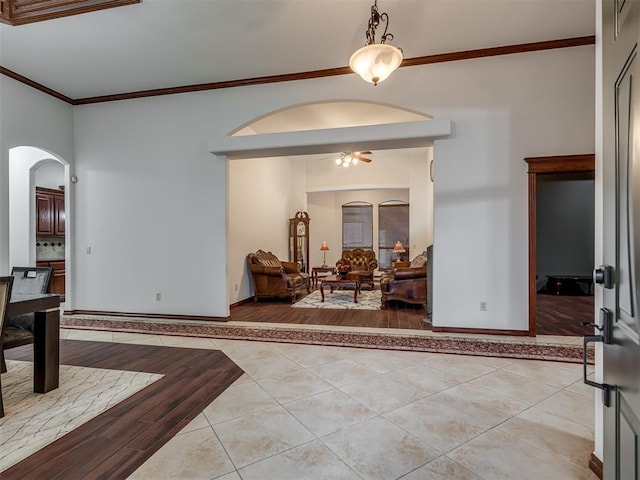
(24, 161)
(417, 134)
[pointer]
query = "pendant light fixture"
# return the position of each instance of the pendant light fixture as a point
(376, 61)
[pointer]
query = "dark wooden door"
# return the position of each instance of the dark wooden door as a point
(621, 237)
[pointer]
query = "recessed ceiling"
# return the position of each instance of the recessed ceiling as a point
(167, 43)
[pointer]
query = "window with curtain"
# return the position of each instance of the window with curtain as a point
(393, 226)
(357, 225)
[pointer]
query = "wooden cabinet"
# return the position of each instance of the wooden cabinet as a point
(50, 215)
(58, 275)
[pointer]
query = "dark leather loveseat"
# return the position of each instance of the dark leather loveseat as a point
(274, 278)
(407, 282)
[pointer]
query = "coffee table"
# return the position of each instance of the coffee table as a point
(336, 281)
(316, 270)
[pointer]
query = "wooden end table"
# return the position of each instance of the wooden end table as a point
(316, 270)
(336, 281)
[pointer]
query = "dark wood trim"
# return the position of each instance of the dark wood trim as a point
(242, 302)
(595, 464)
(562, 163)
(481, 331)
(38, 86)
(21, 12)
(200, 318)
(327, 72)
(497, 51)
(541, 166)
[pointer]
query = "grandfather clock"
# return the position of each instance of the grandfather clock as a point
(299, 240)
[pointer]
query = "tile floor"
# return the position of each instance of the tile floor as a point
(314, 412)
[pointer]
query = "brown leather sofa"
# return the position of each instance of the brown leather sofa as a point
(274, 278)
(407, 281)
(362, 263)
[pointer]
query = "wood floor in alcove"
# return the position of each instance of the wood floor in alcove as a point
(557, 315)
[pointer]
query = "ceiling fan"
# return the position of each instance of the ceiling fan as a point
(352, 158)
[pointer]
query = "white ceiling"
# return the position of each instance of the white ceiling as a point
(166, 43)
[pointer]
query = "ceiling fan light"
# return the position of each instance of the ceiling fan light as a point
(338, 161)
(375, 62)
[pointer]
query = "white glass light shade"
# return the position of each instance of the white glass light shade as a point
(375, 62)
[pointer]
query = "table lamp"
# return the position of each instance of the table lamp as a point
(399, 249)
(324, 249)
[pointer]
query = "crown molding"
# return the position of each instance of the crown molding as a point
(329, 72)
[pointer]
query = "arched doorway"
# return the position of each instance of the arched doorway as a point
(24, 163)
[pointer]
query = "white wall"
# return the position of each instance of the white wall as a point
(152, 202)
(259, 210)
(49, 174)
(28, 118)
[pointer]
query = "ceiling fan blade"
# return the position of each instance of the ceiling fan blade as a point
(361, 158)
(366, 152)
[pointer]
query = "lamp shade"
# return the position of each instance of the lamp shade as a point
(398, 248)
(324, 246)
(375, 62)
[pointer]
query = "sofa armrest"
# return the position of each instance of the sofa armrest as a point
(269, 271)
(290, 267)
(409, 273)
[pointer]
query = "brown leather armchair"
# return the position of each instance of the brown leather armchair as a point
(362, 263)
(274, 278)
(407, 282)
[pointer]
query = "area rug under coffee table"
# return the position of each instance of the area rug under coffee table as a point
(341, 300)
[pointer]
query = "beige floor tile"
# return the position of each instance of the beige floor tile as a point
(581, 388)
(569, 405)
(260, 435)
(193, 455)
(190, 342)
(553, 373)
(427, 379)
(238, 400)
(463, 366)
(553, 434)
(310, 461)
(314, 355)
(383, 393)
(436, 423)
(294, 385)
(442, 468)
(328, 412)
(393, 453)
(383, 361)
(196, 424)
(243, 350)
(265, 366)
(495, 362)
(495, 455)
(137, 338)
(229, 476)
(89, 335)
(343, 372)
(516, 386)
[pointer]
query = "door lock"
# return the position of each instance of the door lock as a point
(604, 276)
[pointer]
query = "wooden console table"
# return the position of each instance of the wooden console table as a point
(336, 281)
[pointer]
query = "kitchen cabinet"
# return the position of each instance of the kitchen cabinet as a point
(58, 275)
(50, 215)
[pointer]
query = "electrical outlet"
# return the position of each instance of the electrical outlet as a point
(236, 287)
(158, 297)
(483, 306)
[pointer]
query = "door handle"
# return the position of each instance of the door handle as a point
(606, 326)
(604, 276)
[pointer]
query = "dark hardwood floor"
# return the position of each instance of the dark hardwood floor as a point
(396, 315)
(556, 315)
(114, 444)
(563, 314)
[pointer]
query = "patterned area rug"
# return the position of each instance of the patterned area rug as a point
(341, 300)
(421, 341)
